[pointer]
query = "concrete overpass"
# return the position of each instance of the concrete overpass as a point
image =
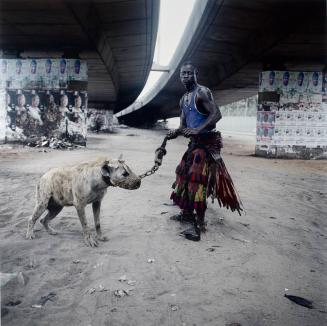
(116, 37)
(235, 40)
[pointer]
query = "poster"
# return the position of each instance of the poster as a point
(300, 116)
(36, 113)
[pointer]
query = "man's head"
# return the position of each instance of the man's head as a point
(286, 77)
(77, 66)
(33, 66)
(48, 64)
(271, 78)
(300, 78)
(18, 67)
(188, 74)
(35, 101)
(63, 100)
(21, 101)
(78, 101)
(62, 66)
(315, 79)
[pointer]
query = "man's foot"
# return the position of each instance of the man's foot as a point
(192, 233)
(183, 218)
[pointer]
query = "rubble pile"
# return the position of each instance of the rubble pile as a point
(52, 142)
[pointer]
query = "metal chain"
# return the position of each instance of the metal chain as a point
(153, 170)
(160, 153)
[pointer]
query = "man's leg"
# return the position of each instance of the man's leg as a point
(184, 216)
(200, 215)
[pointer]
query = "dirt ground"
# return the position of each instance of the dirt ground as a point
(236, 274)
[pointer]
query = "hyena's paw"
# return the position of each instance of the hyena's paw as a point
(90, 240)
(30, 234)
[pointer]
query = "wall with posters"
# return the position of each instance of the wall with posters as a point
(292, 115)
(36, 99)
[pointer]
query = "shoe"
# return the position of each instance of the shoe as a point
(192, 233)
(183, 218)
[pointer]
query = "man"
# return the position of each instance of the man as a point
(201, 172)
(33, 66)
(34, 110)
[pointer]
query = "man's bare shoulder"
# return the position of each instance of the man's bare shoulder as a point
(204, 93)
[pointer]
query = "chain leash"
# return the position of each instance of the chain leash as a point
(160, 152)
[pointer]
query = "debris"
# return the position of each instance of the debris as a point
(162, 213)
(131, 282)
(241, 240)
(174, 308)
(102, 288)
(13, 303)
(52, 142)
(245, 224)
(76, 261)
(210, 249)
(273, 217)
(168, 204)
(151, 260)
(44, 300)
(123, 278)
(300, 301)
(122, 293)
(312, 271)
(90, 291)
(233, 324)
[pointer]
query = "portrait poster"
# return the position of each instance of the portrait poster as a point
(77, 70)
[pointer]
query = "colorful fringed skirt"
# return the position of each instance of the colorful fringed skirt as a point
(202, 173)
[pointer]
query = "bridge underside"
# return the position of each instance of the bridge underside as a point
(117, 39)
(236, 41)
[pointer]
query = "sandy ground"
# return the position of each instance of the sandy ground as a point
(237, 273)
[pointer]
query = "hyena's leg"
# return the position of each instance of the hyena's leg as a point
(88, 238)
(96, 214)
(39, 209)
(53, 210)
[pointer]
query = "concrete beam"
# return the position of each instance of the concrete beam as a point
(88, 19)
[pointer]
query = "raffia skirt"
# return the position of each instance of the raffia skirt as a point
(202, 173)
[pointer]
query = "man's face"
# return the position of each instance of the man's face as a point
(35, 101)
(300, 78)
(286, 77)
(77, 66)
(271, 78)
(315, 79)
(64, 100)
(62, 66)
(78, 102)
(21, 100)
(48, 66)
(33, 67)
(187, 75)
(18, 67)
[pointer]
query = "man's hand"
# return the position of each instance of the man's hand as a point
(188, 132)
(173, 133)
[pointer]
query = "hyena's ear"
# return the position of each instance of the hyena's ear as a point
(120, 159)
(105, 170)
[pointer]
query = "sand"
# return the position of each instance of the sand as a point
(237, 273)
